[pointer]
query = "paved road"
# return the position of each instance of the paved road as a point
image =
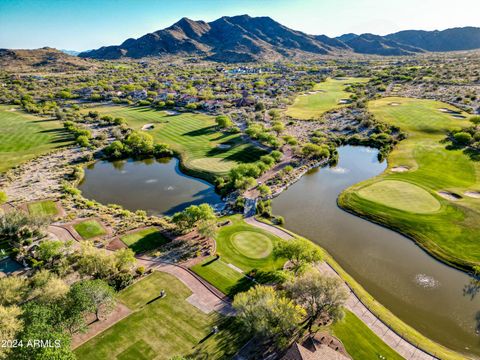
(392, 339)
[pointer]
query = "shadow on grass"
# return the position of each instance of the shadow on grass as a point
(149, 242)
(247, 155)
(473, 154)
(203, 131)
(223, 344)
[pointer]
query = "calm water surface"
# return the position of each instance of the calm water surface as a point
(156, 186)
(420, 290)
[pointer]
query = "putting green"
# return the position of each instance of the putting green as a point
(401, 195)
(252, 244)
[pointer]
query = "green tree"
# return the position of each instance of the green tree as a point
(115, 150)
(207, 228)
(266, 313)
(95, 296)
(463, 138)
(10, 325)
(49, 250)
(189, 217)
(223, 121)
(47, 287)
(299, 252)
(13, 289)
(139, 143)
(315, 151)
(318, 295)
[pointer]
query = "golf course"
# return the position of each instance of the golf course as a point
(324, 97)
(426, 191)
(160, 328)
(241, 248)
(201, 147)
(24, 136)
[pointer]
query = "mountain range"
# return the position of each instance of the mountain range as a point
(245, 38)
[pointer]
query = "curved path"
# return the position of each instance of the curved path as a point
(353, 303)
(204, 296)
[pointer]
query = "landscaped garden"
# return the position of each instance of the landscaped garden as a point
(195, 137)
(144, 240)
(43, 208)
(425, 191)
(89, 229)
(24, 136)
(325, 96)
(164, 327)
(241, 249)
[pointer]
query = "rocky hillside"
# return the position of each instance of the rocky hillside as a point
(41, 60)
(465, 38)
(245, 38)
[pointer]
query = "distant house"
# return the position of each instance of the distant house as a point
(317, 348)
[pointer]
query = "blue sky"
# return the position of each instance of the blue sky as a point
(87, 24)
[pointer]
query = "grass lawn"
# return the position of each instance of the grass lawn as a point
(245, 247)
(223, 277)
(24, 136)
(89, 229)
(361, 342)
(43, 208)
(144, 240)
(163, 328)
(327, 97)
(193, 136)
(408, 201)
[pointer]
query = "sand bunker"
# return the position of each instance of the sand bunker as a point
(148, 127)
(449, 195)
(400, 168)
(394, 104)
(473, 194)
(224, 146)
(344, 101)
(171, 112)
(458, 116)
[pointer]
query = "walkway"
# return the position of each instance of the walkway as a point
(353, 303)
(204, 296)
(270, 228)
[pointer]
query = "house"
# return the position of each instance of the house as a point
(318, 347)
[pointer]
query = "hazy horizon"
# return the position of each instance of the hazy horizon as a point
(88, 24)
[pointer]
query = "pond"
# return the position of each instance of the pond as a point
(420, 290)
(156, 186)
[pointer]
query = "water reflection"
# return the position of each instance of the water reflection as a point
(157, 186)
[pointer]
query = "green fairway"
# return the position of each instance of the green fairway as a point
(409, 200)
(193, 136)
(325, 96)
(164, 327)
(24, 136)
(400, 195)
(43, 208)
(144, 240)
(361, 342)
(245, 248)
(89, 229)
